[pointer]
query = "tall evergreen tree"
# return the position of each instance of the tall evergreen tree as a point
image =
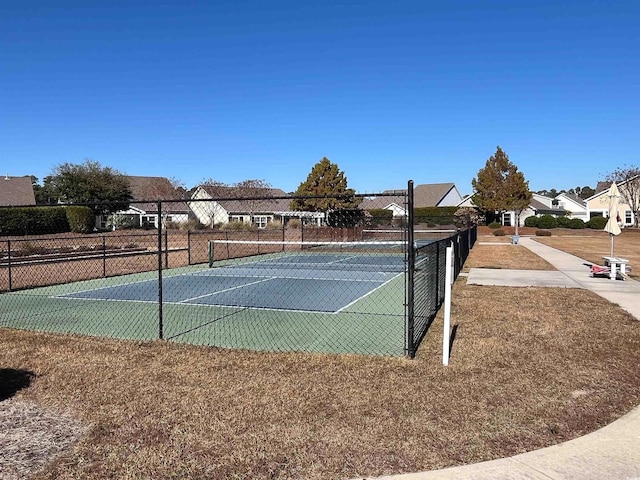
(327, 181)
(500, 187)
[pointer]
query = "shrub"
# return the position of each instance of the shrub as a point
(237, 227)
(494, 225)
(81, 219)
(499, 233)
(576, 223)
(466, 216)
(543, 233)
(547, 221)
(294, 223)
(347, 218)
(597, 223)
(564, 222)
(274, 226)
(380, 217)
(192, 224)
(122, 222)
(531, 221)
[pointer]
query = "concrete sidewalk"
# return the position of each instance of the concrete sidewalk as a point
(611, 453)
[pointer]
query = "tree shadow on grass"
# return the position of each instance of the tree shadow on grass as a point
(12, 380)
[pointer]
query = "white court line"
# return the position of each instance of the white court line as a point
(319, 279)
(64, 295)
(367, 294)
(227, 289)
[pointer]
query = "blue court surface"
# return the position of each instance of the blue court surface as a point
(306, 283)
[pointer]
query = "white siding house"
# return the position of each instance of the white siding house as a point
(221, 207)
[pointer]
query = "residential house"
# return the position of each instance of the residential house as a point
(214, 205)
(16, 192)
(598, 204)
(538, 206)
(424, 195)
(560, 206)
(143, 209)
(574, 205)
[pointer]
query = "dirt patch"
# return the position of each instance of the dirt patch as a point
(32, 436)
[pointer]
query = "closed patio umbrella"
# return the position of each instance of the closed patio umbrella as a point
(612, 227)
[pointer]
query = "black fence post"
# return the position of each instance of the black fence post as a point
(411, 260)
(188, 247)
(166, 248)
(9, 262)
(160, 319)
(104, 257)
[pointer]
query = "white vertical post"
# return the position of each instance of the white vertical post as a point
(446, 334)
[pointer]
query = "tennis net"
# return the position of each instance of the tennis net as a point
(383, 256)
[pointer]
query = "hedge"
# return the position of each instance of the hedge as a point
(435, 215)
(380, 216)
(33, 220)
(547, 221)
(577, 223)
(81, 219)
(597, 223)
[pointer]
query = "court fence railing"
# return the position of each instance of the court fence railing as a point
(286, 276)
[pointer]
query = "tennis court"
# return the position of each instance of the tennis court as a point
(346, 298)
(295, 282)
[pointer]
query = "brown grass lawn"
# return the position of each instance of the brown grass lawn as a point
(594, 245)
(530, 367)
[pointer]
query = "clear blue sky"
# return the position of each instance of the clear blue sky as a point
(388, 90)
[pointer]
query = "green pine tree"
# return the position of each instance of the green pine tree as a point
(500, 187)
(329, 183)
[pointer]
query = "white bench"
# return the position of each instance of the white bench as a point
(616, 265)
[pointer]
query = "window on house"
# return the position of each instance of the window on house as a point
(261, 221)
(148, 221)
(236, 219)
(628, 217)
(506, 219)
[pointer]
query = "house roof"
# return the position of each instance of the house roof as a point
(540, 207)
(424, 195)
(602, 187)
(226, 197)
(370, 203)
(431, 194)
(16, 191)
(574, 198)
(155, 188)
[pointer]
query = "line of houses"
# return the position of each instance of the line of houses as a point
(273, 205)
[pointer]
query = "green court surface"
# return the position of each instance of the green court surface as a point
(373, 324)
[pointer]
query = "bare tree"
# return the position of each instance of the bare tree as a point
(628, 181)
(255, 195)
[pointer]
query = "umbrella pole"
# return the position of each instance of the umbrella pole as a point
(611, 245)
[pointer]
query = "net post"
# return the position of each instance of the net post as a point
(160, 319)
(210, 252)
(411, 261)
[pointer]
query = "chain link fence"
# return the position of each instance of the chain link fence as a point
(243, 273)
